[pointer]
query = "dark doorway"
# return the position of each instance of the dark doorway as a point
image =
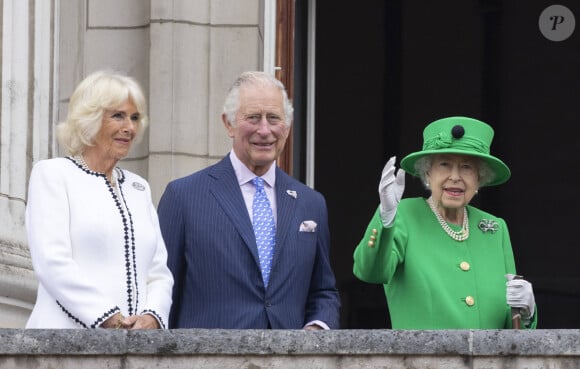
(384, 69)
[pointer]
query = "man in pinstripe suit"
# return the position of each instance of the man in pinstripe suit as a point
(206, 221)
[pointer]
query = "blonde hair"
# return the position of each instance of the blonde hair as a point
(98, 92)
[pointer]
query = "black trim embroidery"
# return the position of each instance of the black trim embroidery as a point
(76, 320)
(153, 312)
(129, 238)
(105, 316)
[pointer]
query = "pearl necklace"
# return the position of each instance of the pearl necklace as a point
(460, 235)
(81, 160)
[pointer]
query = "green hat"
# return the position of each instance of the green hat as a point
(459, 135)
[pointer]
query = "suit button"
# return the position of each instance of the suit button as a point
(464, 266)
(371, 243)
(470, 301)
(375, 231)
(268, 304)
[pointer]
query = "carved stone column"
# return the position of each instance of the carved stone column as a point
(24, 136)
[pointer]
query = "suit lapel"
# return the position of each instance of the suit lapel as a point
(227, 193)
(286, 206)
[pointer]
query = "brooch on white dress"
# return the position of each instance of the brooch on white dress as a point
(138, 186)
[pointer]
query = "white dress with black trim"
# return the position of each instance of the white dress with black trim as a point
(96, 250)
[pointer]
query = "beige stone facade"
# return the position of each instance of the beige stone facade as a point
(185, 53)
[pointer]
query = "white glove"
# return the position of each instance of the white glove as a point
(519, 294)
(390, 191)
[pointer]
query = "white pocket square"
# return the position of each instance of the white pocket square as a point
(308, 226)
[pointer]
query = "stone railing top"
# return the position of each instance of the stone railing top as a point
(290, 342)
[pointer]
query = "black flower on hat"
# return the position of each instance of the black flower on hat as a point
(457, 131)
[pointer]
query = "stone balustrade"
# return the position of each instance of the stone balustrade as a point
(285, 349)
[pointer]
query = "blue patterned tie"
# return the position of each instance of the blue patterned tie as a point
(264, 228)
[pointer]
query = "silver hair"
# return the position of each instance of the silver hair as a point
(98, 92)
(232, 101)
(485, 173)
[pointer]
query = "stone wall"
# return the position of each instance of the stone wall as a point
(286, 349)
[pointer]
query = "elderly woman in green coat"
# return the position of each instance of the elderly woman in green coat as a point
(445, 264)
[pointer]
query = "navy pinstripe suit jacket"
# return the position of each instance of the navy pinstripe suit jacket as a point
(213, 256)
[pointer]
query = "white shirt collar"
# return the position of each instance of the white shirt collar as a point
(244, 175)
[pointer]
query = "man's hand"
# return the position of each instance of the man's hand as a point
(313, 327)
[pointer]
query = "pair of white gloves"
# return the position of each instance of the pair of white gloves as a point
(519, 291)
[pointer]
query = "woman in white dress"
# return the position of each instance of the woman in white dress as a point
(92, 228)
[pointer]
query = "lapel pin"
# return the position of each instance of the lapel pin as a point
(292, 193)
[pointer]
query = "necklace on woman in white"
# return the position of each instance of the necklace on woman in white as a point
(460, 235)
(81, 160)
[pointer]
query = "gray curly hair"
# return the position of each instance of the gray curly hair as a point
(232, 101)
(423, 165)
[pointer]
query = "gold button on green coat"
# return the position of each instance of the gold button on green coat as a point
(470, 301)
